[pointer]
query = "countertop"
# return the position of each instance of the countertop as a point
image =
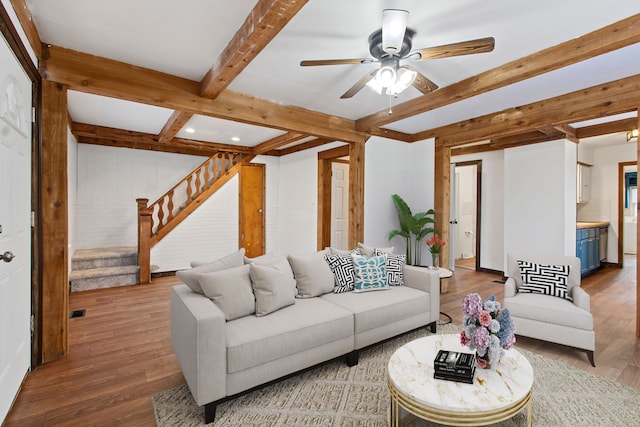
(591, 224)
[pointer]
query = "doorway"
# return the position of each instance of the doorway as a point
(466, 214)
(627, 210)
(252, 218)
(333, 198)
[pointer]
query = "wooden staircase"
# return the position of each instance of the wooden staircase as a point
(159, 218)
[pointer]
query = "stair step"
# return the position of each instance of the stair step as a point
(104, 277)
(85, 259)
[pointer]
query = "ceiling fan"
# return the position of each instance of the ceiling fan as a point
(392, 44)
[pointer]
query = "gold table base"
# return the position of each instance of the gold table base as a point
(477, 418)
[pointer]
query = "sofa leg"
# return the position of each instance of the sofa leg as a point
(590, 356)
(432, 327)
(352, 358)
(210, 412)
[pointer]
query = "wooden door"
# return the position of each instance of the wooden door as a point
(15, 232)
(252, 192)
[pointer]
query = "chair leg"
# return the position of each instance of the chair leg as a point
(590, 356)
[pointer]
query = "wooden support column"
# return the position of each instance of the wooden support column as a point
(356, 193)
(441, 202)
(144, 241)
(54, 214)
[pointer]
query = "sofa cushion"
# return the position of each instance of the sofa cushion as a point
(190, 276)
(309, 323)
(371, 273)
(369, 250)
(312, 273)
(547, 309)
(343, 272)
(272, 288)
(378, 309)
(395, 267)
(544, 279)
(230, 290)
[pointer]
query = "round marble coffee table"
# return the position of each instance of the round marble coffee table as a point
(494, 395)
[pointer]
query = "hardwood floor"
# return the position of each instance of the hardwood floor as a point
(120, 352)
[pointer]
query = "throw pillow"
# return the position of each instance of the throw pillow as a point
(230, 290)
(273, 288)
(312, 273)
(395, 265)
(335, 251)
(190, 276)
(544, 279)
(343, 272)
(371, 273)
(369, 250)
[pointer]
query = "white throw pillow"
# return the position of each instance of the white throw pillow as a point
(273, 289)
(190, 276)
(230, 290)
(312, 273)
(370, 250)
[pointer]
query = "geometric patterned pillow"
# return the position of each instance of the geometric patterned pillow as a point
(343, 272)
(394, 266)
(544, 279)
(371, 273)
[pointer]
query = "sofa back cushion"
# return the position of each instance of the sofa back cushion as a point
(230, 290)
(273, 288)
(190, 276)
(312, 273)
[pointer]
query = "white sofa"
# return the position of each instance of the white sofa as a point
(222, 358)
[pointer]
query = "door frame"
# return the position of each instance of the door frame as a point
(241, 206)
(325, 158)
(15, 43)
(621, 166)
(478, 230)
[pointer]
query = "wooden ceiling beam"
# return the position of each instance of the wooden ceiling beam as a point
(264, 22)
(26, 21)
(603, 100)
(393, 134)
(624, 125)
(93, 134)
(568, 131)
(300, 147)
(278, 141)
(92, 74)
(170, 129)
(612, 37)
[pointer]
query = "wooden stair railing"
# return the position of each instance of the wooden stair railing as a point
(155, 221)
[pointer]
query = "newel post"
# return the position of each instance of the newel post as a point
(144, 241)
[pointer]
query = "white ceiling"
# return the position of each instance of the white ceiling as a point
(185, 39)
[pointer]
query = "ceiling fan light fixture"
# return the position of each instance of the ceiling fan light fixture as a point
(405, 78)
(386, 76)
(394, 25)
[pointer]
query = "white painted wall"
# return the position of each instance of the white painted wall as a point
(109, 181)
(492, 209)
(603, 205)
(540, 194)
(16, 23)
(393, 167)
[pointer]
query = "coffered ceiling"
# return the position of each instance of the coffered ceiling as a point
(230, 70)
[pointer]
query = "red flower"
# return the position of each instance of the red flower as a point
(484, 318)
(435, 243)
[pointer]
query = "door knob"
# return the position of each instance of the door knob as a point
(7, 256)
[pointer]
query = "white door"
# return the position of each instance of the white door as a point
(15, 235)
(339, 205)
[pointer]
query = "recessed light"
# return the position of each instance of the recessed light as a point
(235, 139)
(189, 130)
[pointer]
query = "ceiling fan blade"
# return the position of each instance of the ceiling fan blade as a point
(359, 85)
(421, 82)
(454, 49)
(394, 25)
(315, 62)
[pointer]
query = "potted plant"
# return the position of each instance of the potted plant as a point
(413, 228)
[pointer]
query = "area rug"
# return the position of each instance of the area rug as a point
(335, 395)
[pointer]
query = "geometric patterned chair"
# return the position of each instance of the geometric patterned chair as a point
(546, 302)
